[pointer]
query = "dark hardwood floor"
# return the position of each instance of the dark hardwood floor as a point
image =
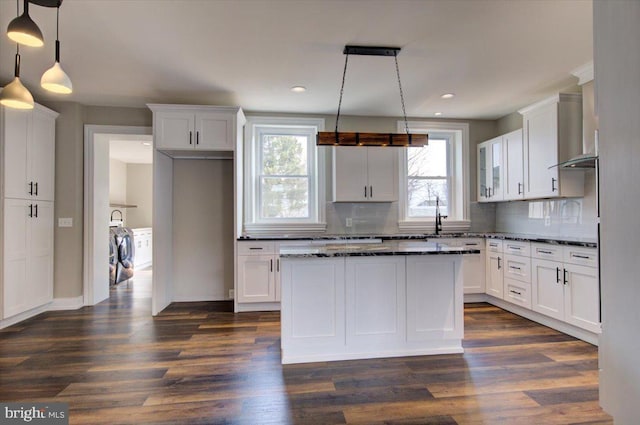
(194, 363)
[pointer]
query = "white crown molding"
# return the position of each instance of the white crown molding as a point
(585, 73)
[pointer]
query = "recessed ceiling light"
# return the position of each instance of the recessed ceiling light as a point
(298, 89)
(447, 95)
(437, 114)
(146, 143)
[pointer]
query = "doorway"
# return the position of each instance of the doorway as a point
(120, 157)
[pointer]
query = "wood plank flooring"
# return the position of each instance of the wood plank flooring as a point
(199, 364)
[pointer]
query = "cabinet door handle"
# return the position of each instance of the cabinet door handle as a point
(519, 189)
(197, 137)
(30, 188)
(557, 274)
(30, 210)
(553, 184)
(371, 192)
(36, 208)
(35, 185)
(489, 189)
(365, 191)
(515, 292)
(499, 266)
(278, 265)
(271, 265)
(191, 137)
(564, 276)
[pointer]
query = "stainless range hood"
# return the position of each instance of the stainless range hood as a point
(589, 133)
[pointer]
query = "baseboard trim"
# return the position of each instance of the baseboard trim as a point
(23, 316)
(71, 303)
(550, 322)
(243, 307)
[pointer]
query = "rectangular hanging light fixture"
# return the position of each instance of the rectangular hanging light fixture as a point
(336, 138)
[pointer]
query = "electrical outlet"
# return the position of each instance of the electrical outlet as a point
(231, 294)
(65, 222)
(349, 222)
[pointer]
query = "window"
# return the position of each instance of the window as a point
(436, 172)
(283, 187)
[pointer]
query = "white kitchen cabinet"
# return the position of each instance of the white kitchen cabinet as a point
(473, 265)
(513, 154)
(365, 174)
(517, 272)
(193, 127)
(565, 290)
(143, 238)
(490, 170)
(552, 132)
(28, 153)
(494, 269)
(28, 255)
(258, 272)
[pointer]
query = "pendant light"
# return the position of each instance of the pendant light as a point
(55, 79)
(24, 30)
(336, 138)
(14, 94)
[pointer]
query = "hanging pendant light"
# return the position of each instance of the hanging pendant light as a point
(55, 79)
(337, 138)
(24, 30)
(14, 94)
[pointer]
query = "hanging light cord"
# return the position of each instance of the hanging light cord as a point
(404, 112)
(344, 74)
(16, 71)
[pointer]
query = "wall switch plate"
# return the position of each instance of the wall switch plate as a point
(65, 222)
(232, 294)
(349, 222)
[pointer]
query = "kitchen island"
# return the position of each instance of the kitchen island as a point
(357, 301)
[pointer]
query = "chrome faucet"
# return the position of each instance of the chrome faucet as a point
(439, 216)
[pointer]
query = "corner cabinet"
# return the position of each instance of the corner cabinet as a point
(196, 127)
(27, 143)
(552, 133)
(365, 174)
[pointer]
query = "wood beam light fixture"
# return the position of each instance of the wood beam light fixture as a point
(336, 138)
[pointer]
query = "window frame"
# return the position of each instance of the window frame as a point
(255, 129)
(457, 135)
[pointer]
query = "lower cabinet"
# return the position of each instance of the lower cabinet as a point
(473, 265)
(28, 255)
(258, 267)
(566, 291)
(494, 269)
(143, 254)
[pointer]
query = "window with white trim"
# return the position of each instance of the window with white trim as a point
(435, 172)
(283, 187)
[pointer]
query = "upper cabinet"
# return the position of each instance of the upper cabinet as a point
(552, 133)
(185, 128)
(490, 170)
(365, 174)
(28, 153)
(513, 165)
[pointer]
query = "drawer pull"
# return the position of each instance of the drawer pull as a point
(471, 244)
(515, 267)
(517, 248)
(253, 248)
(584, 257)
(515, 292)
(494, 245)
(542, 251)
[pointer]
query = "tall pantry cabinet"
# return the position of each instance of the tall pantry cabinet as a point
(27, 143)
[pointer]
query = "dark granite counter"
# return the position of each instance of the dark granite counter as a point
(560, 240)
(373, 249)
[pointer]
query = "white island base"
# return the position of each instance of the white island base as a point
(360, 307)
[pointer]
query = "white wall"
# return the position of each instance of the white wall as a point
(118, 187)
(617, 61)
(203, 229)
(139, 192)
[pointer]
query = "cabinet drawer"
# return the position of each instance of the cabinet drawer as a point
(517, 248)
(517, 267)
(545, 251)
(581, 256)
(465, 242)
(494, 245)
(256, 248)
(517, 292)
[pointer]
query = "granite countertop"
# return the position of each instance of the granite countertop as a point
(373, 249)
(561, 240)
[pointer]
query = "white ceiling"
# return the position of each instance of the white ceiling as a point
(496, 55)
(131, 148)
